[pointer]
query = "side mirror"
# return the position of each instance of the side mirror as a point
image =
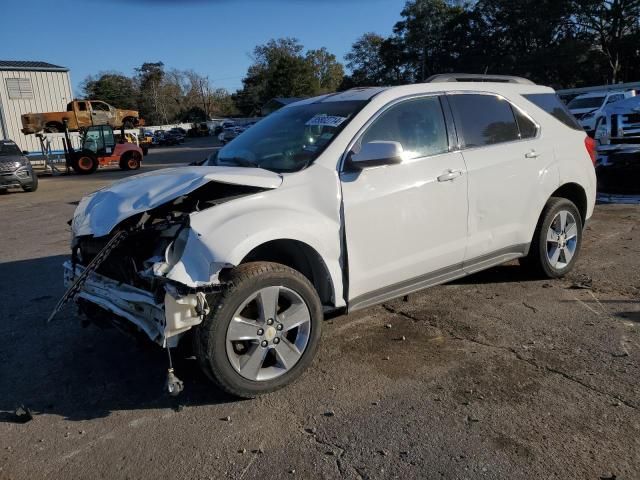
(377, 153)
(25, 152)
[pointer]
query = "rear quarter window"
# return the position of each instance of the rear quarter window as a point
(551, 103)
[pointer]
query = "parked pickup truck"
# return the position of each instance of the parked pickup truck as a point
(80, 114)
(618, 136)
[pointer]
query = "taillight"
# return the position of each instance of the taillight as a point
(591, 145)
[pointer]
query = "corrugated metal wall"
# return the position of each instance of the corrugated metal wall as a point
(51, 93)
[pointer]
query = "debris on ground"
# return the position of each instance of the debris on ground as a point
(23, 414)
(583, 283)
(329, 413)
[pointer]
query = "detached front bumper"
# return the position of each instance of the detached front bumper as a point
(162, 321)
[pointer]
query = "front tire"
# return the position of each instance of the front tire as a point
(556, 241)
(33, 186)
(85, 162)
(262, 331)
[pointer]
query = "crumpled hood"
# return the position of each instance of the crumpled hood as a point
(99, 212)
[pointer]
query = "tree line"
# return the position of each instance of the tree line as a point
(162, 96)
(562, 43)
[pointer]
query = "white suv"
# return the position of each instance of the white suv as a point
(337, 202)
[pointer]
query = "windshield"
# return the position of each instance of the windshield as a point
(289, 139)
(7, 149)
(590, 102)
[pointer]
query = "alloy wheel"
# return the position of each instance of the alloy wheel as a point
(562, 240)
(268, 333)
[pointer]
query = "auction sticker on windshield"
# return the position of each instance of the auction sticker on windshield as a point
(326, 121)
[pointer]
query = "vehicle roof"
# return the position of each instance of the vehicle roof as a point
(367, 93)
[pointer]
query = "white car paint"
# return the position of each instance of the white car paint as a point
(380, 228)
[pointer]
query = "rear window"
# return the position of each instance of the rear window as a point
(550, 103)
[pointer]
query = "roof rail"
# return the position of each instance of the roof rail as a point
(474, 77)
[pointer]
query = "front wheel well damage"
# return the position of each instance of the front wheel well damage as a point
(301, 257)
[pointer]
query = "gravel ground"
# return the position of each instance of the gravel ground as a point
(499, 375)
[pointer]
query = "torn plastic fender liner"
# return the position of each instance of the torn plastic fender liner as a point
(196, 266)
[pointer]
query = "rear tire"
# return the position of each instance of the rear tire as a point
(262, 352)
(85, 162)
(130, 161)
(557, 240)
(128, 124)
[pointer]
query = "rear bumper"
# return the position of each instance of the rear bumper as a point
(163, 321)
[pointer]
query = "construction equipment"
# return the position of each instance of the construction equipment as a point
(100, 149)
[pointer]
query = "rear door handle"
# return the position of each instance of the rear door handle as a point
(531, 154)
(450, 175)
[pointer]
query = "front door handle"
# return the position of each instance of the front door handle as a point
(531, 154)
(450, 175)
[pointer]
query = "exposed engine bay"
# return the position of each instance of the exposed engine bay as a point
(131, 282)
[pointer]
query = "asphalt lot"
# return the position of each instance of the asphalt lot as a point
(500, 376)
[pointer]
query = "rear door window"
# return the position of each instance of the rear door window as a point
(550, 103)
(483, 120)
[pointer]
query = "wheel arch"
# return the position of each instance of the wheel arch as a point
(301, 257)
(575, 193)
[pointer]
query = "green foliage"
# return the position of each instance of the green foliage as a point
(555, 42)
(161, 96)
(113, 88)
(280, 69)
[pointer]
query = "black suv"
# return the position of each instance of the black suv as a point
(15, 168)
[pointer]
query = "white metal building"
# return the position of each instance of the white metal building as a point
(30, 87)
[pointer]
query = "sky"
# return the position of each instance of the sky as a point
(212, 37)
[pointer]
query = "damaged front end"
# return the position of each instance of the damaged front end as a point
(136, 277)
